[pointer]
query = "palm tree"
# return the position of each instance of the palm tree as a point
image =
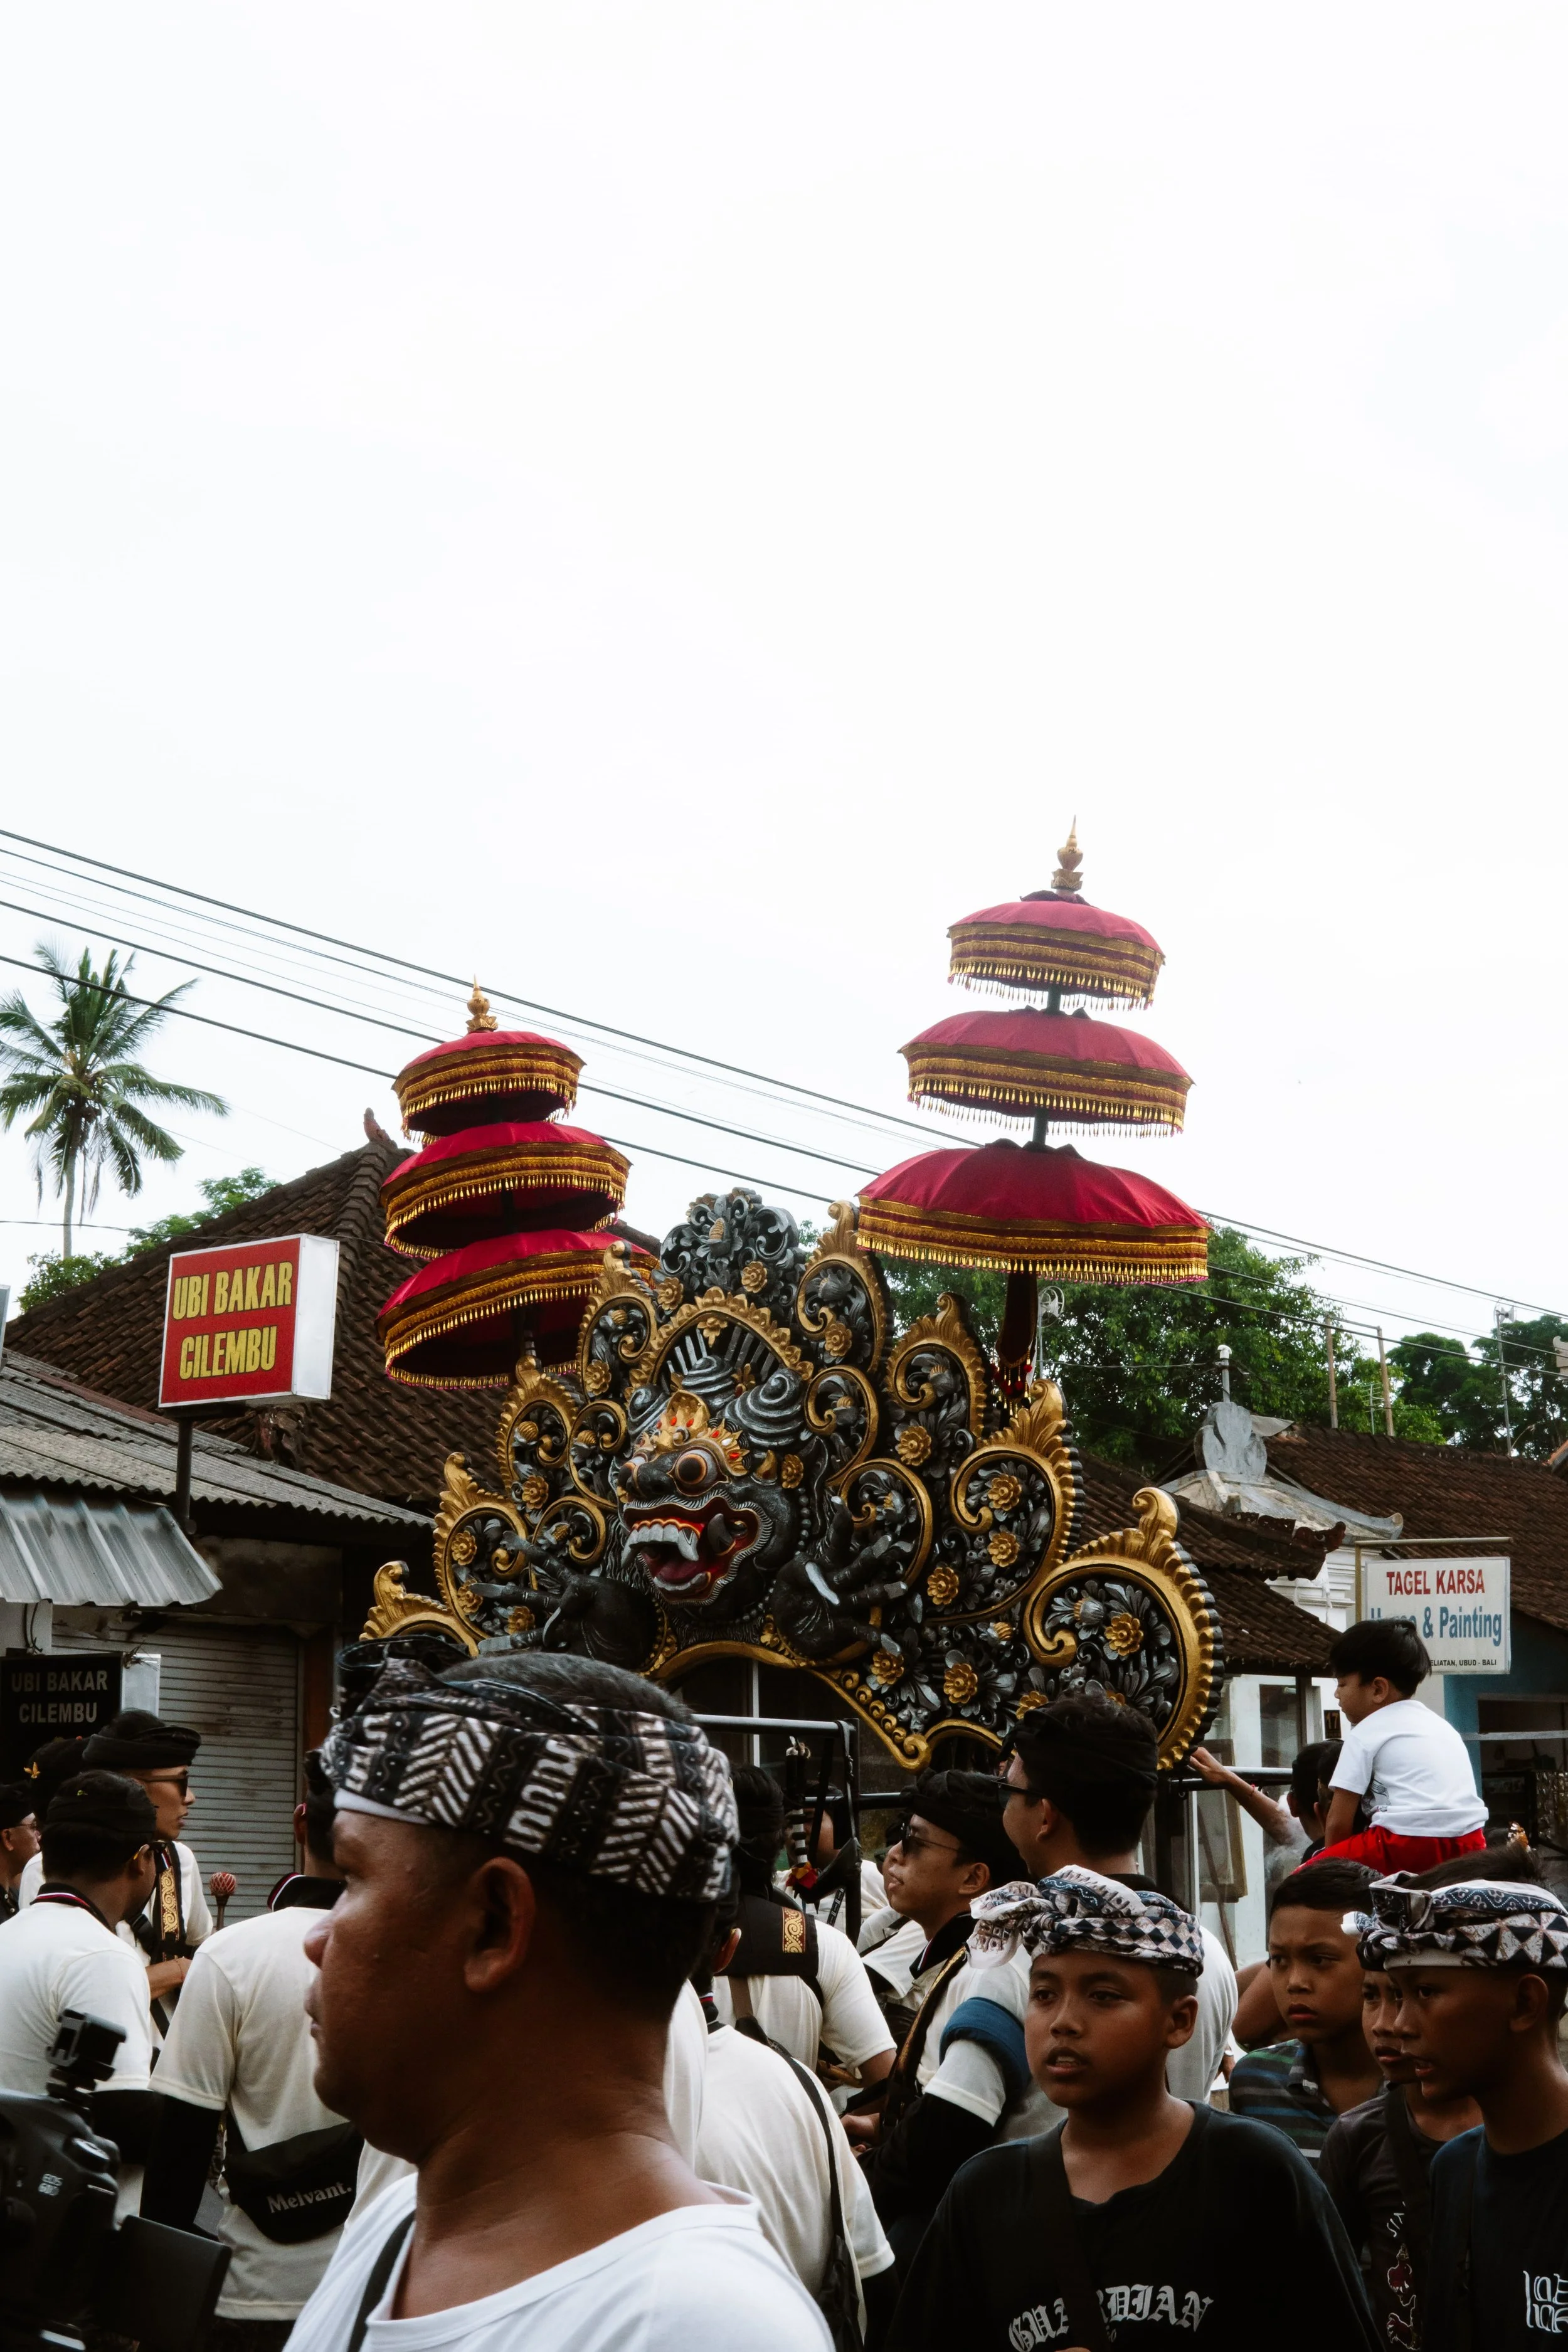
(78, 1078)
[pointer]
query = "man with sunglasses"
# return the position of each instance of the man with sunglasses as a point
(157, 1755)
(961, 2074)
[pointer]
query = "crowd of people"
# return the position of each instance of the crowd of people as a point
(545, 2045)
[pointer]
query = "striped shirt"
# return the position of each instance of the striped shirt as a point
(1279, 2087)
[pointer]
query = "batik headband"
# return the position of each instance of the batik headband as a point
(1076, 1910)
(615, 1792)
(1480, 1923)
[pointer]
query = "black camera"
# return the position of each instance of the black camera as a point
(63, 2262)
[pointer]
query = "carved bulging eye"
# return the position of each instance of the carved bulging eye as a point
(692, 1471)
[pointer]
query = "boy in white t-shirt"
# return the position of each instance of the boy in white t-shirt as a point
(531, 1849)
(1402, 1759)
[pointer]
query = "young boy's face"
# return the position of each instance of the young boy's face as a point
(1096, 2025)
(1315, 1976)
(1356, 1698)
(1380, 2023)
(1461, 2026)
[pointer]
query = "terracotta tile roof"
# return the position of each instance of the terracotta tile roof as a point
(1265, 1632)
(373, 1435)
(1444, 1490)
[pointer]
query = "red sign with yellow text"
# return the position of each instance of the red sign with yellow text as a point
(251, 1322)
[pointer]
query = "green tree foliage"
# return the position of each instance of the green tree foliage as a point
(221, 1194)
(1463, 1387)
(75, 1082)
(1139, 1366)
(54, 1275)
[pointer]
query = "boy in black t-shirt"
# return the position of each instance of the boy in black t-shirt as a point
(1178, 2221)
(1482, 1973)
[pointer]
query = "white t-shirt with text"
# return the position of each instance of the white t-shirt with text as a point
(240, 2040)
(1417, 1769)
(700, 2279)
(849, 2020)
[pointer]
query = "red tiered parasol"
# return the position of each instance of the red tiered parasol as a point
(509, 1200)
(499, 1074)
(492, 1180)
(1061, 1064)
(1036, 1209)
(462, 1321)
(1053, 940)
(1033, 1209)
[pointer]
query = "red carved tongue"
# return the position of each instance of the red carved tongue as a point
(670, 1569)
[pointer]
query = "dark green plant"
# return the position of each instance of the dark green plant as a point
(56, 1274)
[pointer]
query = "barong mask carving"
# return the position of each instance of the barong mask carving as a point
(746, 1458)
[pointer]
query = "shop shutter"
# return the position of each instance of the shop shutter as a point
(240, 1688)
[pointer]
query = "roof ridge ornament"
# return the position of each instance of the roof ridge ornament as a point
(1067, 878)
(480, 1013)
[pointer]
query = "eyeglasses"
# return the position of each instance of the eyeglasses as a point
(181, 1781)
(911, 1842)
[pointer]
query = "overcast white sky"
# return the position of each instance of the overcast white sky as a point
(673, 506)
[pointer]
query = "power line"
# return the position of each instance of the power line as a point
(835, 1103)
(452, 980)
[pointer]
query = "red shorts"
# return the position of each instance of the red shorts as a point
(1387, 1851)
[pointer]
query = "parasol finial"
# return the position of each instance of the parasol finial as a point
(480, 1013)
(1066, 877)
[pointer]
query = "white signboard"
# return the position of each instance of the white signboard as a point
(1460, 1608)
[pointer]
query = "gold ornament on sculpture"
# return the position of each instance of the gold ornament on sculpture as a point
(1002, 1547)
(1125, 1635)
(943, 1586)
(753, 1277)
(959, 1682)
(888, 1666)
(913, 1444)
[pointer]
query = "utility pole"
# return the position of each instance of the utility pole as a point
(1501, 1315)
(1387, 1399)
(1334, 1384)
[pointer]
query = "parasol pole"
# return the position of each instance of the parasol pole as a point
(1021, 1307)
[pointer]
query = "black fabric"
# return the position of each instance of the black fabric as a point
(968, 1806)
(1234, 2246)
(184, 2139)
(128, 2118)
(18, 1800)
(1376, 2166)
(909, 2168)
(777, 1939)
(1517, 2244)
(296, 2190)
(106, 1801)
(1085, 2319)
(47, 1765)
(136, 1741)
(304, 1893)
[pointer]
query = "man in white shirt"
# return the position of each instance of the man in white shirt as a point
(538, 1842)
(961, 2071)
(62, 1953)
(241, 2042)
(19, 1841)
(1409, 1765)
(175, 1919)
(1079, 1787)
(802, 1979)
(768, 2128)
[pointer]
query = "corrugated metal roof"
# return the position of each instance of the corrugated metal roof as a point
(71, 1552)
(55, 1433)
